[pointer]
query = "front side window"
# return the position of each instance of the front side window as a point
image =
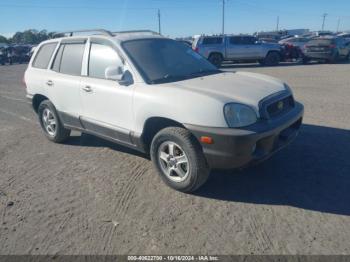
(166, 60)
(43, 56)
(101, 57)
(72, 58)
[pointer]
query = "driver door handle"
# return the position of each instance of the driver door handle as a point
(87, 89)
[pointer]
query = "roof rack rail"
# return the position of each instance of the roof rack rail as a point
(97, 31)
(136, 31)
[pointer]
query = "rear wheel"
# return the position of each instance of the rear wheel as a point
(306, 60)
(51, 124)
(335, 58)
(215, 59)
(272, 59)
(179, 159)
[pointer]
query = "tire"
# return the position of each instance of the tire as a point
(272, 59)
(194, 172)
(306, 60)
(216, 59)
(335, 59)
(52, 127)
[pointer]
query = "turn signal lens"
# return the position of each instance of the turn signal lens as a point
(207, 140)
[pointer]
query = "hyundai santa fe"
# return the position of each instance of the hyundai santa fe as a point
(158, 96)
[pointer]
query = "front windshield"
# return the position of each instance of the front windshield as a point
(166, 60)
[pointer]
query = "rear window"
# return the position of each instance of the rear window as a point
(43, 56)
(72, 58)
(321, 42)
(212, 40)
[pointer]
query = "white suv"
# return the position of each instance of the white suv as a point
(158, 96)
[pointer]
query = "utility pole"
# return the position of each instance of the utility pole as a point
(324, 19)
(338, 25)
(159, 27)
(223, 17)
(278, 23)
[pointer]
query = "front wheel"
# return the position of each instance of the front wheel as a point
(179, 159)
(51, 124)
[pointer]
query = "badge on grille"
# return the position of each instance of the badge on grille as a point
(280, 105)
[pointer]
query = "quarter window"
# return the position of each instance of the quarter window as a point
(57, 61)
(101, 57)
(43, 56)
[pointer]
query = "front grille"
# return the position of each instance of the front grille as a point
(276, 105)
(280, 106)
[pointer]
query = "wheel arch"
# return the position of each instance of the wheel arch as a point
(274, 51)
(217, 53)
(152, 126)
(36, 100)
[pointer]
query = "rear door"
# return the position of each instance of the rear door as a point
(243, 47)
(64, 80)
(107, 105)
(235, 48)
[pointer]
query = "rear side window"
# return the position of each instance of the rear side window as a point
(321, 42)
(212, 40)
(236, 40)
(71, 60)
(43, 56)
(248, 40)
(101, 57)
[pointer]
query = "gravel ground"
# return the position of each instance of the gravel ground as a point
(92, 197)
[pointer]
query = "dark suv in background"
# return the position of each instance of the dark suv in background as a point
(329, 49)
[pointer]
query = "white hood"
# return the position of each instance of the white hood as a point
(242, 87)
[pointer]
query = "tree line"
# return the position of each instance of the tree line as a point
(30, 36)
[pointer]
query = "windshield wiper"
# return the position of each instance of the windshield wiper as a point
(203, 73)
(168, 78)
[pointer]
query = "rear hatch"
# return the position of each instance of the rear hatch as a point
(320, 45)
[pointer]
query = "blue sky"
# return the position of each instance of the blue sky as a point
(179, 17)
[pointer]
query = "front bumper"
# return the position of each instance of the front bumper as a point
(238, 147)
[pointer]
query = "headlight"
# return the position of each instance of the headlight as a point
(288, 88)
(239, 115)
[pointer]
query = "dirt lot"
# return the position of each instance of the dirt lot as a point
(91, 197)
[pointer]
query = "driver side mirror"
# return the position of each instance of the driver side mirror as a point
(114, 73)
(118, 74)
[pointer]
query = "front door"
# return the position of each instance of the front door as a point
(107, 105)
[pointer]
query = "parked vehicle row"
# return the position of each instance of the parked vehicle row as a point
(246, 48)
(15, 54)
(329, 48)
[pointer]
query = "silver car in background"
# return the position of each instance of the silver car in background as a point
(237, 48)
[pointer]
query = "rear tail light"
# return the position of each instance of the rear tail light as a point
(24, 82)
(332, 46)
(196, 49)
